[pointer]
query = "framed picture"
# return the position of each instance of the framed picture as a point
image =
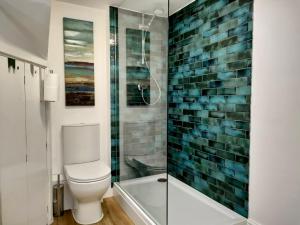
(79, 62)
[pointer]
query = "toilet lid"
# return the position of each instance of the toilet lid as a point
(87, 172)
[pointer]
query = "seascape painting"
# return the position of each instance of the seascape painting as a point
(79, 62)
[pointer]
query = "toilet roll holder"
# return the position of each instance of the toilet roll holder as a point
(50, 86)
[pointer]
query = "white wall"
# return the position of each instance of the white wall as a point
(59, 113)
(275, 129)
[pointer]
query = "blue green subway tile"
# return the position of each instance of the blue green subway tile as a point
(202, 113)
(241, 176)
(236, 99)
(209, 150)
(225, 155)
(201, 71)
(228, 25)
(215, 84)
(217, 114)
(216, 145)
(199, 142)
(202, 85)
(208, 135)
(228, 139)
(228, 123)
(238, 47)
(235, 199)
(185, 118)
(242, 159)
(244, 10)
(248, 99)
(243, 107)
(210, 164)
(226, 171)
(241, 193)
(226, 91)
(213, 121)
(246, 90)
(250, 25)
(202, 127)
(239, 65)
(243, 116)
(217, 100)
(235, 82)
(229, 8)
(196, 106)
(235, 183)
(236, 166)
(246, 72)
(238, 56)
(225, 186)
(218, 174)
(244, 142)
(211, 107)
(216, 189)
(245, 37)
(216, 129)
(184, 105)
(235, 133)
(242, 125)
(199, 182)
(210, 32)
(227, 107)
(194, 92)
(226, 75)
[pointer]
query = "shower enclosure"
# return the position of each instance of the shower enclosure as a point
(140, 102)
(201, 51)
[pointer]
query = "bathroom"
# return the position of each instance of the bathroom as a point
(161, 112)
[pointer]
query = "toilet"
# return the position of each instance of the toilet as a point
(87, 176)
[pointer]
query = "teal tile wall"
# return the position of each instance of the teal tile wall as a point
(136, 71)
(114, 96)
(210, 44)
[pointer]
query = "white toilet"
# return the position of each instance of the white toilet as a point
(88, 178)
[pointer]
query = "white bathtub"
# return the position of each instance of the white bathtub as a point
(186, 206)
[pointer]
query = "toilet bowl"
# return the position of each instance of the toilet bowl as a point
(88, 182)
(87, 176)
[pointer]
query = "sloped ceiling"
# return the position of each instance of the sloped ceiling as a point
(25, 24)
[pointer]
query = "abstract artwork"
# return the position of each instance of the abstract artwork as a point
(79, 62)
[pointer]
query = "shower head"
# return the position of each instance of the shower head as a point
(156, 13)
(159, 12)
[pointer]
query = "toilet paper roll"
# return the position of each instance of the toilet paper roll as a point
(51, 87)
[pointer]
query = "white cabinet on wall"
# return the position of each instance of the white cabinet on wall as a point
(23, 157)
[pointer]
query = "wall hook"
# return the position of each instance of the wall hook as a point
(11, 64)
(32, 70)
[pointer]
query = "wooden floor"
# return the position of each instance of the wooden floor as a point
(113, 215)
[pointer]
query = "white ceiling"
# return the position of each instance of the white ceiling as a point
(94, 3)
(143, 6)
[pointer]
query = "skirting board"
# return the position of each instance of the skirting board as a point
(253, 222)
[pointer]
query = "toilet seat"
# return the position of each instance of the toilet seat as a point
(87, 172)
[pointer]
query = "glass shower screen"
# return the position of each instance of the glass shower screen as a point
(142, 95)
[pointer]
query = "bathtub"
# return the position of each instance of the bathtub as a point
(144, 200)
